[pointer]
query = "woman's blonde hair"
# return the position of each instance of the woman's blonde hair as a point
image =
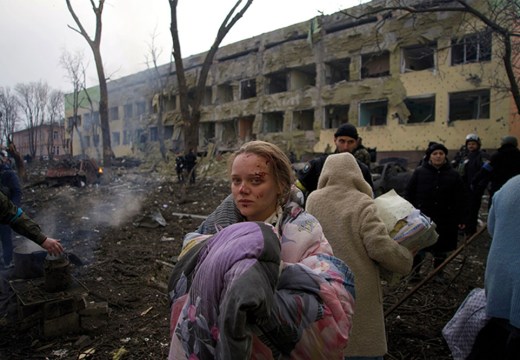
(278, 163)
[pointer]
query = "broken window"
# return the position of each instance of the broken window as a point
(208, 93)
(141, 136)
(418, 57)
(471, 48)
(303, 120)
(276, 82)
(126, 137)
(247, 89)
(224, 93)
(245, 128)
(128, 111)
(229, 133)
(116, 139)
(207, 132)
(95, 138)
(335, 115)
(141, 108)
(95, 118)
(273, 122)
(375, 65)
(422, 109)
(86, 140)
(70, 120)
(170, 103)
(373, 113)
(337, 70)
(168, 131)
(301, 77)
(113, 113)
(469, 105)
(154, 134)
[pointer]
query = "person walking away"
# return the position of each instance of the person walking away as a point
(437, 190)
(10, 186)
(344, 206)
(190, 160)
(179, 168)
(469, 167)
(503, 165)
(345, 139)
(500, 337)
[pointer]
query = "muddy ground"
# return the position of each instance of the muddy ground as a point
(127, 234)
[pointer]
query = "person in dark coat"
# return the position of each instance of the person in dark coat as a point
(10, 186)
(190, 160)
(503, 165)
(469, 167)
(345, 139)
(179, 167)
(436, 189)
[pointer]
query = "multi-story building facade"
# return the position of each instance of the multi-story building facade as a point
(42, 142)
(403, 79)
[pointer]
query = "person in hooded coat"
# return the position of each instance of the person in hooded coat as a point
(344, 206)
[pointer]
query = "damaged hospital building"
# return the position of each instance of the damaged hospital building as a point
(403, 79)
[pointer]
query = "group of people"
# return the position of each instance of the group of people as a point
(185, 165)
(290, 267)
(275, 272)
(262, 278)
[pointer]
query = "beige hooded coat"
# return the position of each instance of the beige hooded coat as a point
(344, 206)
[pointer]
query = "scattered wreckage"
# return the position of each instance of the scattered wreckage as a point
(75, 171)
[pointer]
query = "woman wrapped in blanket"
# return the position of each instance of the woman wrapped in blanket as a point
(258, 279)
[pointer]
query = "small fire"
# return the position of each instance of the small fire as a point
(100, 171)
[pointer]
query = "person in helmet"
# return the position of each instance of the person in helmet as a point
(502, 166)
(469, 167)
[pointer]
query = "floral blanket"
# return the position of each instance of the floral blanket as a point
(235, 295)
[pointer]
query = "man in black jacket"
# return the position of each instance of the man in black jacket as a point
(345, 139)
(469, 167)
(503, 165)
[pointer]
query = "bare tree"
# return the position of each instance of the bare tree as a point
(55, 112)
(29, 99)
(95, 46)
(9, 116)
(159, 85)
(500, 17)
(76, 73)
(190, 107)
(42, 98)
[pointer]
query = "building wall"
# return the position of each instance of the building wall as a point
(300, 61)
(50, 141)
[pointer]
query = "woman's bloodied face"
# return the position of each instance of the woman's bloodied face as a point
(253, 187)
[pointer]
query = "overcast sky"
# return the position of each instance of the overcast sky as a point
(35, 33)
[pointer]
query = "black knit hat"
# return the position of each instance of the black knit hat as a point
(436, 146)
(347, 130)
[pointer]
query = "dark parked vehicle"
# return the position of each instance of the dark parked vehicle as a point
(391, 173)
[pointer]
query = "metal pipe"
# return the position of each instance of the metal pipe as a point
(435, 271)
